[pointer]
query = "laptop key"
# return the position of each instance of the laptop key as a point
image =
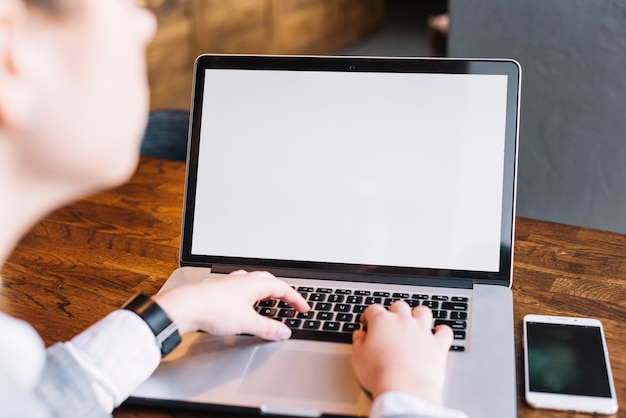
(454, 306)
(293, 323)
(304, 289)
(311, 324)
(317, 297)
(335, 298)
(325, 316)
(287, 313)
(270, 303)
(401, 295)
(324, 290)
(455, 325)
(439, 298)
(342, 307)
(323, 306)
(431, 304)
(458, 315)
(382, 294)
(350, 327)
(359, 308)
(268, 311)
(354, 300)
(440, 314)
(343, 291)
(371, 300)
(332, 326)
(306, 315)
(344, 317)
(362, 292)
(321, 335)
(459, 335)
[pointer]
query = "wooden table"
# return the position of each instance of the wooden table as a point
(85, 260)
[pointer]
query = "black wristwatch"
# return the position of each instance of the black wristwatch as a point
(165, 331)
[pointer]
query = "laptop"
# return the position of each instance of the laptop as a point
(357, 180)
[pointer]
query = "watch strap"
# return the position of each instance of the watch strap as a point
(164, 330)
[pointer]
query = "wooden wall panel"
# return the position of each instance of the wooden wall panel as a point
(233, 26)
(301, 26)
(188, 28)
(170, 55)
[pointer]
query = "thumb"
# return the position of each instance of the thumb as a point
(358, 338)
(444, 335)
(266, 328)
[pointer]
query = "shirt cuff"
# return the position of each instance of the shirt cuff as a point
(391, 404)
(119, 352)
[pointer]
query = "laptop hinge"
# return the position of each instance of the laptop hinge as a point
(365, 277)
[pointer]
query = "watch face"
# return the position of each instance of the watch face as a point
(169, 338)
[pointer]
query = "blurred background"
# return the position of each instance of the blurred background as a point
(188, 28)
(572, 153)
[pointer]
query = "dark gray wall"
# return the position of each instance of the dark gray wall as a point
(572, 159)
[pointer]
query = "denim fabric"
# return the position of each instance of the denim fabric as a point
(166, 135)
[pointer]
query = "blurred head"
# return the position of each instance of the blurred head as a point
(50, 6)
(73, 91)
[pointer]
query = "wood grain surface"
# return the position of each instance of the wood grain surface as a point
(85, 260)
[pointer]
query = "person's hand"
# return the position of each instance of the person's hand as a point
(399, 352)
(225, 306)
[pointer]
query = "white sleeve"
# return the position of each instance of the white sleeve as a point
(396, 404)
(118, 352)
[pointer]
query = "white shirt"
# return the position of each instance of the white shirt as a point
(118, 353)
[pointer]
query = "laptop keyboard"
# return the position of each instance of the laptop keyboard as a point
(335, 313)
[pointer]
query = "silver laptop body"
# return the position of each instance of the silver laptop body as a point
(351, 175)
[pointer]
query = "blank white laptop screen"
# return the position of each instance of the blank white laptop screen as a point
(389, 169)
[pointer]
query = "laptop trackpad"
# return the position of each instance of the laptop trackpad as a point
(301, 374)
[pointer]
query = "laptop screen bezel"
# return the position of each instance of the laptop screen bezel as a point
(358, 64)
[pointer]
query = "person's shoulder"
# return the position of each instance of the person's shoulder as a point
(15, 401)
(22, 353)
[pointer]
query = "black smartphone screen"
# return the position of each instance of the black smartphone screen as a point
(566, 359)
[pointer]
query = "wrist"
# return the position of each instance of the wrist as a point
(168, 302)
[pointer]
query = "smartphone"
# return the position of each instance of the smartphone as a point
(566, 365)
